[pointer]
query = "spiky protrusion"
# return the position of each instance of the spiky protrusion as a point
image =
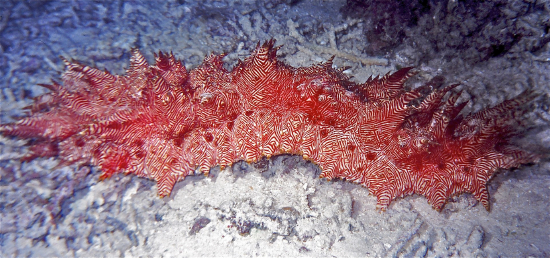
(162, 122)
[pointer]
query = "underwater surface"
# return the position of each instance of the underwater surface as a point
(277, 206)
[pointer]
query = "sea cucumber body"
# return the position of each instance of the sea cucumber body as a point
(163, 122)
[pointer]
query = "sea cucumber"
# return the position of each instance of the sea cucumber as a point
(163, 122)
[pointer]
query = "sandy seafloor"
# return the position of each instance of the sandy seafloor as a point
(277, 207)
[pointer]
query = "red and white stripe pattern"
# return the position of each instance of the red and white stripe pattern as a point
(164, 123)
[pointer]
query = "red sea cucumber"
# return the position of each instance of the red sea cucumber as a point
(163, 122)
